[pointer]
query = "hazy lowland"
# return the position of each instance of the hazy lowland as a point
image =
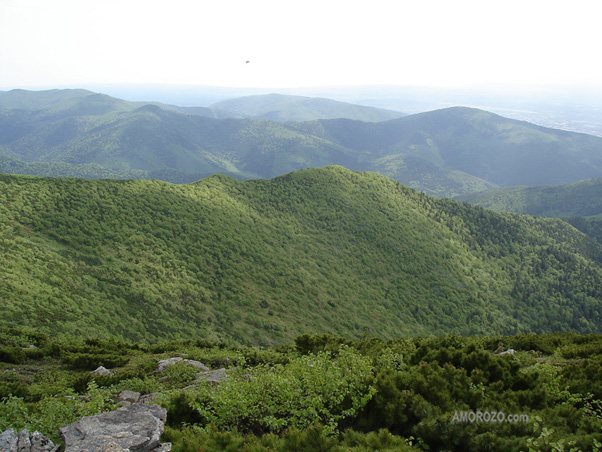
(309, 247)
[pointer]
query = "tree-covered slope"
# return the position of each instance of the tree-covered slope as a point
(579, 203)
(280, 107)
(579, 199)
(262, 261)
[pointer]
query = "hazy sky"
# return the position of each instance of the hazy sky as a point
(298, 43)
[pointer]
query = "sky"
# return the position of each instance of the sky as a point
(291, 43)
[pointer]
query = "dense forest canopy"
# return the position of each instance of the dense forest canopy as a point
(263, 261)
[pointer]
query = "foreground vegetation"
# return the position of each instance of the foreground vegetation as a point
(321, 392)
(264, 261)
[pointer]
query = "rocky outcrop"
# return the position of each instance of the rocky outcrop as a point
(24, 442)
(136, 427)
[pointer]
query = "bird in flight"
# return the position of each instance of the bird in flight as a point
(248, 61)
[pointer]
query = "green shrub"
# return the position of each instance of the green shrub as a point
(12, 355)
(91, 361)
(310, 389)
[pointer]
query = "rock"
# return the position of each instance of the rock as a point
(148, 398)
(199, 365)
(170, 361)
(102, 371)
(213, 376)
(112, 447)
(137, 427)
(167, 362)
(39, 443)
(24, 442)
(8, 441)
(129, 396)
(510, 351)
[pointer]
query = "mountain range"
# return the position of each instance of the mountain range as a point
(445, 153)
(262, 261)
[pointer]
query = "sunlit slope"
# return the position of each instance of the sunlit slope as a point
(316, 251)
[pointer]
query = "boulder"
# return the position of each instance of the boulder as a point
(8, 441)
(199, 365)
(129, 396)
(214, 376)
(136, 427)
(39, 443)
(24, 442)
(510, 351)
(148, 398)
(162, 365)
(102, 371)
(168, 362)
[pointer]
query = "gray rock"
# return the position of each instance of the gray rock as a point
(137, 427)
(8, 441)
(162, 365)
(102, 371)
(199, 365)
(213, 376)
(39, 443)
(23, 441)
(129, 396)
(510, 351)
(168, 362)
(112, 447)
(148, 398)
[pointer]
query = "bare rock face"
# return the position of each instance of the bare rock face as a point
(136, 427)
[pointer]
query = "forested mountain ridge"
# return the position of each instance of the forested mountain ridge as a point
(262, 261)
(488, 146)
(444, 153)
(281, 107)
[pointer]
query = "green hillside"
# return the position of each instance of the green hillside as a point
(262, 261)
(579, 199)
(579, 203)
(280, 107)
